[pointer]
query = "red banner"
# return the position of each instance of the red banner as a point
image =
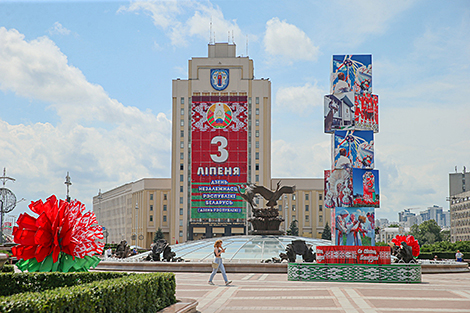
(354, 254)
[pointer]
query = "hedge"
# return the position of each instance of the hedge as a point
(440, 255)
(7, 268)
(131, 293)
(13, 283)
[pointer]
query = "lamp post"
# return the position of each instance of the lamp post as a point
(68, 183)
(100, 196)
(136, 222)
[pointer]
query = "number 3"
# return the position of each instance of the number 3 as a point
(221, 149)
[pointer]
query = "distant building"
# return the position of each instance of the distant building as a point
(437, 213)
(386, 234)
(460, 217)
(458, 182)
(382, 222)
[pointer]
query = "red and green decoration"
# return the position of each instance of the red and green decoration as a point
(410, 241)
(63, 238)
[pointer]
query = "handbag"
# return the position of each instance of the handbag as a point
(215, 265)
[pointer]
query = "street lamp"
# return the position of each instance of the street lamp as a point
(68, 183)
(136, 222)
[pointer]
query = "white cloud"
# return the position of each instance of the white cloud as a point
(167, 16)
(287, 40)
(58, 29)
(299, 99)
(125, 143)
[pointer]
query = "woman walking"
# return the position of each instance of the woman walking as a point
(218, 250)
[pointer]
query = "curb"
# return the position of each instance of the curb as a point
(182, 306)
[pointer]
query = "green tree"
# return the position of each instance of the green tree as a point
(158, 235)
(394, 225)
(427, 232)
(326, 234)
(293, 229)
(445, 235)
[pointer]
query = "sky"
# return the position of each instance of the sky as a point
(85, 88)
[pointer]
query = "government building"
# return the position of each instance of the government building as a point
(221, 142)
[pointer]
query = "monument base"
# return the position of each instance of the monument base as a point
(372, 273)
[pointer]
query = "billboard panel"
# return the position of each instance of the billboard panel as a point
(351, 73)
(366, 188)
(338, 188)
(347, 111)
(355, 226)
(354, 254)
(353, 148)
(218, 157)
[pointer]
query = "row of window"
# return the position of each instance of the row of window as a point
(164, 196)
(320, 207)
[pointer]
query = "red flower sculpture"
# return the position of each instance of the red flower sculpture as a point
(61, 229)
(410, 241)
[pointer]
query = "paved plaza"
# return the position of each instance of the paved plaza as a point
(273, 293)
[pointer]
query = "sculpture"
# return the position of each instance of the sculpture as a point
(266, 221)
(403, 253)
(299, 247)
(162, 246)
(123, 250)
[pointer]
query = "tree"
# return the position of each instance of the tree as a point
(158, 235)
(445, 235)
(394, 225)
(293, 229)
(326, 232)
(427, 232)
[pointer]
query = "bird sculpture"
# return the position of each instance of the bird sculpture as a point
(270, 196)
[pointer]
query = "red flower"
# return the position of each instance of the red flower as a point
(60, 227)
(410, 241)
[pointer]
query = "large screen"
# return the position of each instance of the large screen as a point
(218, 156)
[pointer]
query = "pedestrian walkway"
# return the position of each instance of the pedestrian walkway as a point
(449, 293)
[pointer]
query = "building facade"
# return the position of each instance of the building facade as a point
(134, 211)
(221, 141)
(460, 217)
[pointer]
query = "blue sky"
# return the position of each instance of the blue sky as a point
(85, 87)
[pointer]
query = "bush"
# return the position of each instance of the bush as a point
(131, 293)
(7, 268)
(13, 283)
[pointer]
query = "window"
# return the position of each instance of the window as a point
(280, 208)
(181, 178)
(181, 211)
(164, 218)
(151, 207)
(306, 208)
(181, 233)
(306, 197)
(164, 196)
(181, 222)
(257, 144)
(181, 155)
(293, 197)
(182, 100)
(257, 167)
(320, 208)
(257, 155)
(257, 100)
(320, 196)
(257, 133)
(164, 207)
(181, 167)
(181, 188)
(293, 217)
(182, 144)
(320, 219)
(151, 196)
(306, 218)
(151, 218)
(182, 122)
(249, 100)
(257, 111)
(293, 207)
(257, 122)
(182, 111)
(257, 178)
(181, 200)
